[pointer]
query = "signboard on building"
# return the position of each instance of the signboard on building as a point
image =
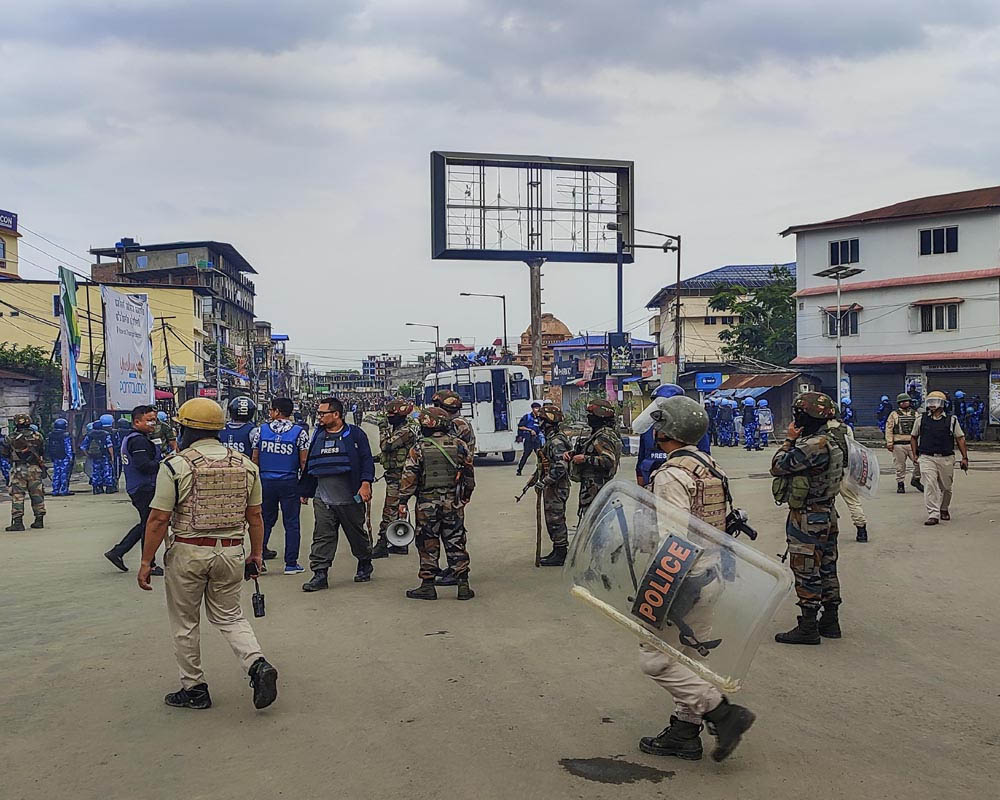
(619, 354)
(128, 323)
(588, 369)
(8, 221)
(995, 397)
(178, 371)
(209, 391)
(707, 381)
(956, 366)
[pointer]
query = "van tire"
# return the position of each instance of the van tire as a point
(508, 456)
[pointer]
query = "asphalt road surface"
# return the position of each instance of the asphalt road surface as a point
(522, 692)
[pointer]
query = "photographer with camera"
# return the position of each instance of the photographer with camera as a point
(694, 482)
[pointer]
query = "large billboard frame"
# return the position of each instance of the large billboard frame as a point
(442, 160)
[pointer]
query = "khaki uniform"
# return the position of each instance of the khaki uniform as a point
(847, 493)
(195, 573)
(688, 485)
(938, 472)
(898, 427)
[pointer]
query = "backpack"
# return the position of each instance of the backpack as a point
(96, 447)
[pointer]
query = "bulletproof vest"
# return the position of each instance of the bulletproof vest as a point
(98, 444)
(708, 500)
(839, 435)
(440, 463)
(904, 423)
(749, 415)
(824, 484)
(134, 479)
(162, 434)
(237, 436)
(279, 454)
(394, 460)
(25, 444)
(547, 451)
(935, 436)
(461, 428)
(725, 414)
(55, 447)
(328, 453)
(218, 497)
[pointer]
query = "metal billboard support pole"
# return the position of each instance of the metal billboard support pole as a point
(535, 275)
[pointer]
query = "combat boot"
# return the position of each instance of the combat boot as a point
(381, 548)
(862, 533)
(916, 484)
(727, 723)
(264, 682)
(425, 591)
(38, 522)
(364, 573)
(554, 559)
(806, 632)
(447, 578)
(464, 590)
(16, 524)
(195, 697)
(394, 550)
(681, 739)
(829, 623)
(900, 489)
(316, 582)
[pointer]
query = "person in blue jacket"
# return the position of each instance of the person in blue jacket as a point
(97, 446)
(649, 454)
(847, 412)
(750, 424)
(883, 411)
(59, 449)
(236, 434)
(727, 429)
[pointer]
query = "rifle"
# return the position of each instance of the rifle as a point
(531, 482)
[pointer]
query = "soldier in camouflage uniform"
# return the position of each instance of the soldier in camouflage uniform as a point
(552, 480)
(595, 459)
(809, 468)
(439, 472)
(460, 428)
(24, 450)
(396, 436)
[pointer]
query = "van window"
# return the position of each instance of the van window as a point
(466, 391)
(484, 392)
(428, 394)
(520, 390)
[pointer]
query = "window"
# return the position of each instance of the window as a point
(466, 391)
(484, 392)
(711, 320)
(141, 262)
(848, 323)
(727, 320)
(520, 389)
(943, 317)
(846, 251)
(3, 254)
(182, 259)
(935, 241)
(56, 306)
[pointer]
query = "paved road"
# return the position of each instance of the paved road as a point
(520, 693)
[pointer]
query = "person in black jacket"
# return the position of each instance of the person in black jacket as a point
(140, 463)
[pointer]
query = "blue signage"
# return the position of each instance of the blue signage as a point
(8, 221)
(707, 381)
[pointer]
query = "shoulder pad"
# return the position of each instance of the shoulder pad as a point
(812, 444)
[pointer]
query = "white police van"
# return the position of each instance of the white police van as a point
(494, 398)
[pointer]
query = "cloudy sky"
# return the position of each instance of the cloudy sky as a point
(300, 130)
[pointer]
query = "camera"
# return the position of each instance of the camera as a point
(737, 522)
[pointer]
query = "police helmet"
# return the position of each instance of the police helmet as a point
(667, 390)
(34, 427)
(846, 401)
(90, 427)
(884, 398)
(448, 400)
(434, 419)
(107, 420)
(959, 394)
(762, 404)
(936, 400)
(123, 424)
(680, 418)
(60, 424)
(202, 414)
(903, 397)
(748, 401)
(161, 416)
(242, 408)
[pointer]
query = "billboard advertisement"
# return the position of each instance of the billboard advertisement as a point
(128, 323)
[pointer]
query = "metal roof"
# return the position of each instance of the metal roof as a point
(595, 342)
(971, 200)
(750, 276)
(230, 253)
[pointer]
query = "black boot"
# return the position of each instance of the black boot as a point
(381, 548)
(829, 623)
(862, 533)
(116, 559)
(16, 524)
(900, 489)
(264, 682)
(425, 591)
(556, 558)
(39, 521)
(727, 723)
(446, 577)
(679, 738)
(464, 590)
(806, 632)
(399, 551)
(195, 697)
(316, 582)
(269, 555)
(916, 484)
(364, 573)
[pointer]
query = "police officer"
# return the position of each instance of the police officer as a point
(461, 428)
(727, 432)
(883, 412)
(810, 468)
(765, 422)
(693, 482)
(897, 441)
(280, 448)
(140, 462)
(439, 472)
(396, 436)
(59, 449)
(750, 424)
(847, 412)
(961, 409)
(163, 434)
(712, 410)
(841, 433)
(4, 460)
(120, 430)
(933, 439)
(976, 418)
(97, 446)
(24, 450)
(649, 454)
(528, 430)
(552, 480)
(595, 459)
(207, 492)
(236, 434)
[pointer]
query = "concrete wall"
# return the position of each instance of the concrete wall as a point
(699, 342)
(167, 259)
(9, 263)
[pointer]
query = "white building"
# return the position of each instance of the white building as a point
(926, 309)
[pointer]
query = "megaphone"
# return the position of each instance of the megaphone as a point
(400, 533)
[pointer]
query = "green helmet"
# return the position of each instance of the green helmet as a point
(903, 397)
(816, 405)
(680, 418)
(448, 400)
(21, 420)
(550, 415)
(435, 419)
(601, 408)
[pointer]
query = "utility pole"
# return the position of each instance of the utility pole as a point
(535, 275)
(218, 364)
(166, 355)
(677, 314)
(90, 363)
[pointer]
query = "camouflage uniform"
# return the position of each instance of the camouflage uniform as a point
(24, 449)
(601, 451)
(438, 514)
(553, 476)
(395, 443)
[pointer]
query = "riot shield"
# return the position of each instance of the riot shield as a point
(862, 468)
(680, 585)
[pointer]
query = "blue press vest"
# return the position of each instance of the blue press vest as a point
(135, 480)
(237, 436)
(328, 453)
(279, 453)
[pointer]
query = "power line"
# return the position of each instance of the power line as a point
(54, 244)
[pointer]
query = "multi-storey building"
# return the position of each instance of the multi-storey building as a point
(8, 244)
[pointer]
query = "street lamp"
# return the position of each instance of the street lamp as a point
(437, 346)
(503, 299)
(838, 274)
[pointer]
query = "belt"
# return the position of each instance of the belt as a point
(208, 541)
(937, 455)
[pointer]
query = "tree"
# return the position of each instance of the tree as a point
(766, 327)
(35, 361)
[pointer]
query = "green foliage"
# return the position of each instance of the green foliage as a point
(766, 330)
(577, 412)
(411, 389)
(35, 361)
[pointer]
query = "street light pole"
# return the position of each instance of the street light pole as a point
(503, 299)
(437, 347)
(838, 274)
